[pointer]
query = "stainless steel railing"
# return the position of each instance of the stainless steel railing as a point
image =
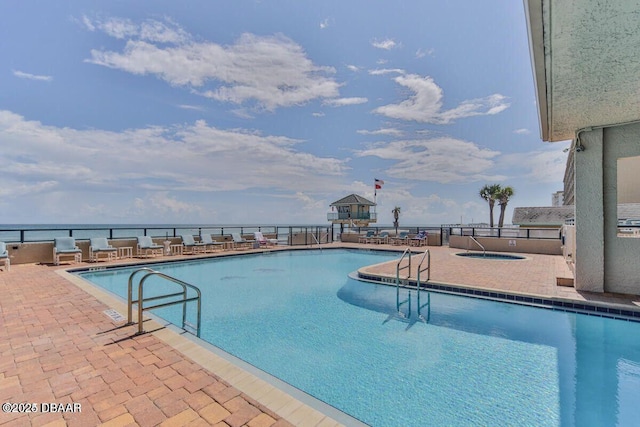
(183, 300)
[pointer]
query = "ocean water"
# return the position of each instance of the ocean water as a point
(48, 232)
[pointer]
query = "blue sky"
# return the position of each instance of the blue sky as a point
(265, 112)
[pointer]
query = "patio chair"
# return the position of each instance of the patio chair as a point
(146, 247)
(419, 239)
(210, 243)
(240, 243)
(259, 237)
(66, 247)
(367, 238)
(401, 239)
(99, 246)
(191, 246)
(383, 237)
(4, 256)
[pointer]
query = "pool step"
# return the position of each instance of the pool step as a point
(564, 281)
(563, 273)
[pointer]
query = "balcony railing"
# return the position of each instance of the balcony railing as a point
(334, 216)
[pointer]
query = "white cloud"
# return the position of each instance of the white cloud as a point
(386, 44)
(388, 131)
(318, 114)
(86, 21)
(29, 76)
(150, 30)
(421, 53)
(165, 203)
(324, 24)
(119, 28)
(383, 71)
(310, 204)
(191, 107)
(340, 102)
(243, 113)
(353, 68)
(425, 105)
(272, 71)
(536, 166)
(193, 157)
(522, 131)
(429, 209)
(444, 160)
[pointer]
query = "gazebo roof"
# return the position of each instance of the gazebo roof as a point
(353, 199)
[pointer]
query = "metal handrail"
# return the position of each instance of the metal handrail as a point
(184, 300)
(398, 268)
(130, 294)
(484, 251)
(426, 255)
(317, 241)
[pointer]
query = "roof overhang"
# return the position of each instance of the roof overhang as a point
(585, 64)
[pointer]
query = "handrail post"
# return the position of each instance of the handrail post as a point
(183, 301)
(130, 292)
(427, 255)
(199, 314)
(140, 293)
(184, 306)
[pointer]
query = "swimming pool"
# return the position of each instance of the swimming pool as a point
(299, 317)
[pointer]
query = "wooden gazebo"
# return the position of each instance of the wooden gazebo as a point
(353, 210)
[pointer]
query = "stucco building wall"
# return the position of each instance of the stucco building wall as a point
(604, 262)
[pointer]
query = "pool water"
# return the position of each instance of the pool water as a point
(298, 316)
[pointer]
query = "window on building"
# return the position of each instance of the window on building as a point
(628, 183)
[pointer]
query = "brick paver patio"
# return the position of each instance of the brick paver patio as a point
(57, 346)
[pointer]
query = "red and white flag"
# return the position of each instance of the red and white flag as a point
(379, 183)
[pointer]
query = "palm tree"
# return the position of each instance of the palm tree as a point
(489, 193)
(503, 197)
(396, 215)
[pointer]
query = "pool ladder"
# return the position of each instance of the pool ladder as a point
(425, 257)
(484, 251)
(317, 241)
(189, 327)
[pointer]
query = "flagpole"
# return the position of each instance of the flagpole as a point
(375, 194)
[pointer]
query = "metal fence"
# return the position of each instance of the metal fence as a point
(284, 233)
(304, 234)
(504, 232)
(508, 232)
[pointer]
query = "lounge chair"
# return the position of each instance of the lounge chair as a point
(210, 243)
(259, 237)
(383, 237)
(419, 239)
(401, 239)
(99, 246)
(4, 256)
(240, 243)
(66, 247)
(367, 238)
(146, 247)
(191, 246)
